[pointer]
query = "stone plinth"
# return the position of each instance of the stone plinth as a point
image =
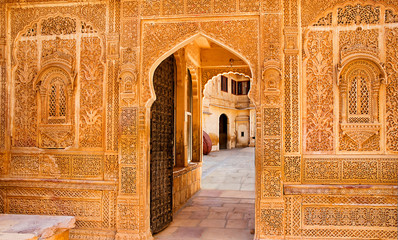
(31, 227)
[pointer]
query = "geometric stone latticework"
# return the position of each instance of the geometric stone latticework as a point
(271, 183)
(360, 216)
(272, 122)
(292, 215)
(350, 170)
(359, 41)
(292, 169)
(272, 152)
(272, 222)
(291, 118)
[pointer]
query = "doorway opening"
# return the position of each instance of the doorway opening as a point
(223, 131)
(177, 117)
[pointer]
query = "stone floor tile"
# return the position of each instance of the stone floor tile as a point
(235, 215)
(167, 232)
(226, 234)
(229, 186)
(195, 208)
(188, 233)
(237, 223)
(247, 201)
(221, 209)
(182, 215)
(199, 215)
(185, 223)
(208, 193)
(213, 223)
(247, 187)
(238, 194)
(217, 215)
(206, 185)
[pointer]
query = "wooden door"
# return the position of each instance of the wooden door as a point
(162, 146)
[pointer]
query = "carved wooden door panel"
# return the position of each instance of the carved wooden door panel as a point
(162, 146)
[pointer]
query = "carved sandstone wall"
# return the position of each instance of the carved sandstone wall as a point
(75, 94)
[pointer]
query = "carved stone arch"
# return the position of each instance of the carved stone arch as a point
(45, 74)
(173, 43)
(369, 63)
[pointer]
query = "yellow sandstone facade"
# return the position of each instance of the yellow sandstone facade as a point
(77, 87)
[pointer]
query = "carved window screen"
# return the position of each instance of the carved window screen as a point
(359, 100)
(57, 102)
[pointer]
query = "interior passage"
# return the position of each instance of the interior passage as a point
(224, 208)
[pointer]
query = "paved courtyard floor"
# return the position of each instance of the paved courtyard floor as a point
(224, 207)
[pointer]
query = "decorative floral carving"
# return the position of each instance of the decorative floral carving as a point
(25, 121)
(130, 8)
(272, 122)
(319, 124)
(58, 26)
(249, 5)
(350, 170)
(224, 6)
(390, 17)
(347, 216)
(128, 216)
(91, 100)
(359, 40)
(128, 180)
(272, 37)
(272, 152)
(311, 9)
(198, 6)
(392, 89)
(271, 5)
(271, 221)
(94, 13)
(358, 14)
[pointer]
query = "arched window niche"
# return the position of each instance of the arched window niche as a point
(55, 107)
(359, 95)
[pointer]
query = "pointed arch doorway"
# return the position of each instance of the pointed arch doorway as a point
(186, 70)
